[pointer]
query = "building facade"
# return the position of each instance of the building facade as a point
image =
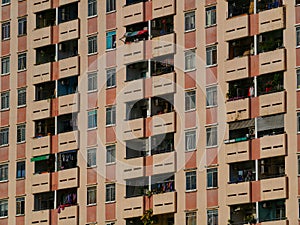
(176, 111)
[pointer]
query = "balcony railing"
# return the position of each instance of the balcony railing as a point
(274, 188)
(133, 13)
(237, 27)
(239, 193)
(133, 207)
(165, 203)
(164, 163)
(163, 8)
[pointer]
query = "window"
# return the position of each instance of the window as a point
(5, 2)
(91, 157)
(189, 57)
(190, 181)
(21, 133)
(21, 96)
(110, 154)
(190, 100)
(92, 7)
(20, 206)
(211, 55)
(212, 217)
(189, 21)
(211, 137)
(110, 223)
(111, 40)
(4, 172)
(211, 16)
(21, 169)
(212, 178)
(91, 195)
(22, 26)
(3, 208)
(191, 218)
(92, 119)
(4, 136)
(110, 193)
(5, 100)
(92, 82)
(111, 115)
(298, 122)
(298, 36)
(5, 30)
(5, 65)
(190, 140)
(110, 5)
(211, 96)
(22, 58)
(111, 78)
(92, 45)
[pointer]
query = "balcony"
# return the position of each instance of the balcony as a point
(164, 163)
(133, 129)
(163, 45)
(133, 90)
(42, 37)
(237, 152)
(68, 178)
(41, 109)
(164, 203)
(69, 30)
(271, 146)
(237, 68)
(165, 8)
(274, 188)
(238, 110)
(237, 27)
(68, 104)
(164, 123)
(41, 217)
(68, 216)
(41, 183)
(273, 19)
(164, 84)
(133, 207)
(272, 61)
(273, 103)
(133, 13)
(134, 52)
(69, 67)
(133, 168)
(41, 73)
(65, 2)
(41, 146)
(239, 193)
(41, 5)
(68, 141)
(276, 222)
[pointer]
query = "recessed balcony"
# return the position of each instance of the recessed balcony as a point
(41, 5)
(41, 217)
(133, 129)
(272, 61)
(42, 37)
(163, 45)
(164, 84)
(165, 203)
(239, 193)
(68, 141)
(164, 123)
(271, 146)
(238, 110)
(41, 109)
(133, 168)
(237, 68)
(164, 163)
(68, 104)
(237, 151)
(134, 52)
(133, 13)
(133, 90)
(273, 103)
(68, 178)
(272, 19)
(165, 8)
(274, 188)
(68, 216)
(68, 30)
(69, 67)
(41, 73)
(41, 183)
(41, 145)
(133, 207)
(237, 27)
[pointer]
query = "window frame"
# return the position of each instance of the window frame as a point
(215, 216)
(110, 193)
(189, 21)
(91, 200)
(210, 143)
(5, 100)
(21, 210)
(190, 60)
(190, 99)
(6, 136)
(210, 51)
(22, 61)
(22, 169)
(110, 154)
(212, 175)
(91, 156)
(111, 78)
(211, 96)
(5, 30)
(5, 2)
(191, 215)
(211, 16)
(21, 130)
(4, 172)
(92, 45)
(111, 116)
(3, 202)
(92, 8)
(190, 181)
(22, 26)
(92, 119)
(190, 134)
(111, 40)
(22, 98)
(92, 82)
(5, 65)
(111, 7)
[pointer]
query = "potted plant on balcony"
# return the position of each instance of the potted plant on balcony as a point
(250, 219)
(147, 218)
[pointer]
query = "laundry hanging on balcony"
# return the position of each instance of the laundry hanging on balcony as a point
(135, 36)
